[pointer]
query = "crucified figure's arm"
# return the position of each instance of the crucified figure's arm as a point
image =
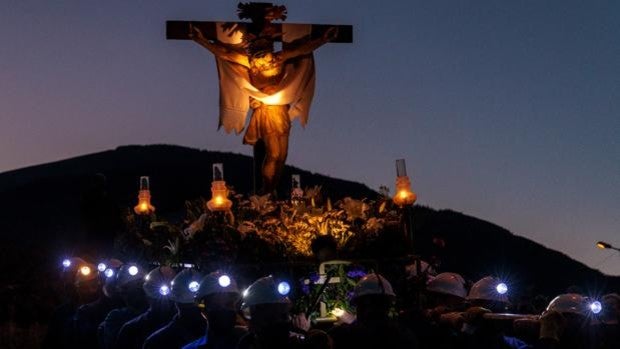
(220, 50)
(309, 46)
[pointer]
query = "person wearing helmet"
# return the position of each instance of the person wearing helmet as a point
(445, 297)
(566, 322)
(60, 330)
(446, 292)
(489, 293)
(373, 298)
(87, 283)
(608, 328)
(156, 286)
(129, 279)
(218, 295)
(267, 303)
(89, 316)
(188, 323)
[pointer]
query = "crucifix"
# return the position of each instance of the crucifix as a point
(277, 85)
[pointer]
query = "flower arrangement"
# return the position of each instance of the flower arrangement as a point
(282, 228)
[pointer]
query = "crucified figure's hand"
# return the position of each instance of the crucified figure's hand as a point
(195, 33)
(330, 34)
(218, 49)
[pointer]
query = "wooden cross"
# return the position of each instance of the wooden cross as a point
(257, 37)
(180, 30)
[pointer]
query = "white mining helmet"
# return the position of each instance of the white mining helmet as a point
(266, 291)
(448, 283)
(576, 304)
(109, 267)
(126, 274)
(184, 286)
(217, 282)
(85, 272)
(157, 282)
(489, 289)
(372, 284)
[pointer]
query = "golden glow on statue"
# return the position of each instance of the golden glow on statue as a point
(270, 123)
(266, 65)
(85, 270)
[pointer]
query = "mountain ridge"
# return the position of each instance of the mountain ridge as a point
(55, 206)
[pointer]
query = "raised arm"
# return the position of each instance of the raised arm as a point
(218, 49)
(310, 45)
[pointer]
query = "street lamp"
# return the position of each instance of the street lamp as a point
(606, 246)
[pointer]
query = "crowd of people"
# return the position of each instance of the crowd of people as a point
(120, 305)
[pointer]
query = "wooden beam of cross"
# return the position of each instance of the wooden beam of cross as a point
(180, 30)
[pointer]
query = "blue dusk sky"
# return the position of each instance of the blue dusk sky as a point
(505, 110)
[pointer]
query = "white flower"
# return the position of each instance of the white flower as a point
(195, 227)
(354, 208)
(246, 227)
(262, 204)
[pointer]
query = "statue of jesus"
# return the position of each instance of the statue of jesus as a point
(270, 120)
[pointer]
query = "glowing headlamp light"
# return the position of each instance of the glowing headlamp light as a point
(85, 270)
(108, 273)
(596, 307)
(501, 288)
(193, 286)
(133, 270)
(164, 290)
(102, 267)
(66, 263)
(284, 288)
(224, 281)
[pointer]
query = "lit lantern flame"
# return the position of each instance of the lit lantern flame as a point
(219, 200)
(404, 196)
(144, 206)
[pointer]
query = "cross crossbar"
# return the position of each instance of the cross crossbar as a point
(180, 30)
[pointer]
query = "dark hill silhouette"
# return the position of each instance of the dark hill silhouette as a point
(50, 210)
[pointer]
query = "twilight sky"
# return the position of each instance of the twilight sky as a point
(505, 110)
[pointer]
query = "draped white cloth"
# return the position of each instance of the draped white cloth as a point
(296, 88)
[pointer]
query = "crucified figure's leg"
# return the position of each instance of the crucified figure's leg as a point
(276, 147)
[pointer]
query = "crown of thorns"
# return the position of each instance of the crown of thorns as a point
(261, 11)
